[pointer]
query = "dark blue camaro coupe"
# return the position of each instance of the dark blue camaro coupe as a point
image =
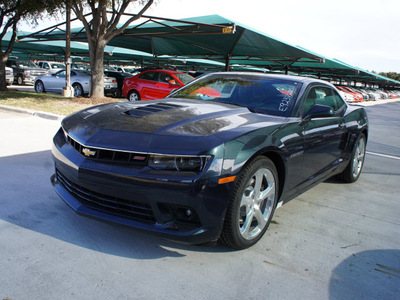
(213, 160)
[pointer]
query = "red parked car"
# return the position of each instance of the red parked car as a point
(357, 96)
(153, 84)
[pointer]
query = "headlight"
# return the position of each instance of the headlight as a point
(178, 163)
(27, 72)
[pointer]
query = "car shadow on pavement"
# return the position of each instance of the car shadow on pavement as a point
(28, 200)
(373, 274)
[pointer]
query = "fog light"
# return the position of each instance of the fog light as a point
(188, 213)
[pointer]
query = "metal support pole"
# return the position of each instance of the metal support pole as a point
(67, 91)
(227, 62)
(286, 70)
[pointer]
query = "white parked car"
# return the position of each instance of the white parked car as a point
(9, 76)
(80, 81)
(126, 69)
(51, 66)
(346, 96)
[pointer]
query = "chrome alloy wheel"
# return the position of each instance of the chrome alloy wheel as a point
(257, 203)
(39, 87)
(78, 90)
(358, 158)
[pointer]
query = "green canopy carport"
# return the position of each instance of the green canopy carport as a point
(209, 37)
(223, 41)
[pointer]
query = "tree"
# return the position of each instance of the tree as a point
(11, 13)
(392, 75)
(102, 27)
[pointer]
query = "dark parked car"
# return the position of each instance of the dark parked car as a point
(211, 161)
(25, 71)
(120, 77)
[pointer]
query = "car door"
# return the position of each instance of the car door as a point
(147, 83)
(164, 85)
(56, 82)
(324, 137)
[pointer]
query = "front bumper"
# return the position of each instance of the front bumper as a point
(28, 79)
(111, 90)
(189, 210)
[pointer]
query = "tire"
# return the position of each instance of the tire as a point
(78, 90)
(133, 96)
(39, 87)
(20, 80)
(356, 163)
(249, 212)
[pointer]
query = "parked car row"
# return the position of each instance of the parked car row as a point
(137, 84)
(358, 94)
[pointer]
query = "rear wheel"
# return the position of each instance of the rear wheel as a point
(353, 169)
(252, 204)
(39, 87)
(133, 96)
(78, 90)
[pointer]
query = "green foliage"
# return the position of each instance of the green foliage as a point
(11, 13)
(391, 75)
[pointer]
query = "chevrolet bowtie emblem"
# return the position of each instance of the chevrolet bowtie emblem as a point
(88, 152)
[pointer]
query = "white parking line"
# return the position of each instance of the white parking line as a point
(383, 155)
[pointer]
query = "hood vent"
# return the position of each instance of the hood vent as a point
(144, 111)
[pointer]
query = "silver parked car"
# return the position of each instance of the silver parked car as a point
(80, 81)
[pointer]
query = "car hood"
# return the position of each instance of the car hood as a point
(169, 125)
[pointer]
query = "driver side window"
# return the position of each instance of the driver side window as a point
(322, 96)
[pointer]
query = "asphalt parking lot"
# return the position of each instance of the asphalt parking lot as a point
(336, 241)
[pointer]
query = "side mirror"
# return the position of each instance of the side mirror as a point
(319, 111)
(172, 82)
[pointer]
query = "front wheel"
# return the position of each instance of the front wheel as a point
(353, 169)
(78, 90)
(252, 204)
(20, 80)
(39, 87)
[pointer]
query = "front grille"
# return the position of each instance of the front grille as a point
(38, 73)
(113, 205)
(108, 155)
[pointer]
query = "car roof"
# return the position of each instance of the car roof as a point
(163, 71)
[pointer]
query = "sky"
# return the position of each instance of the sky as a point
(362, 33)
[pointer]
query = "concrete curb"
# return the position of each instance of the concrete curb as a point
(40, 114)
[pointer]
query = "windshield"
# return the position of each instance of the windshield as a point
(185, 78)
(26, 64)
(259, 94)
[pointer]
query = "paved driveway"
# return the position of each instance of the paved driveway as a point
(337, 241)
